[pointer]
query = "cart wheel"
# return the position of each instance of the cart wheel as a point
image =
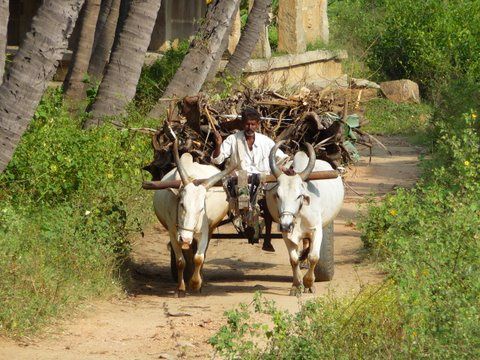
(189, 267)
(325, 267)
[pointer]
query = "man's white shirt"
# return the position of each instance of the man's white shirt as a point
(253, 161)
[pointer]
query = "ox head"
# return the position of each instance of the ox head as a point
(291, 193)
(192, 201)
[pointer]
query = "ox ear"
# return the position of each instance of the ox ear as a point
(306, 199)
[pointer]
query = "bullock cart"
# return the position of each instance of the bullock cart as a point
(324, 270)
(320, 118)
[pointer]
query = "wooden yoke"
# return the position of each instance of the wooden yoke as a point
(175, 184)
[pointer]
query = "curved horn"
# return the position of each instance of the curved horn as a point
(311, 162)
(271, 160)
(181, 170)
(212, 180)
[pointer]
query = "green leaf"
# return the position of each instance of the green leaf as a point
(353, 121)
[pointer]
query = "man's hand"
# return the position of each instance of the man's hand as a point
(287, 171)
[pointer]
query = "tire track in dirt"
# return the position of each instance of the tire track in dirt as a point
(150, 323)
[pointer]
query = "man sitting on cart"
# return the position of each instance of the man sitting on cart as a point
(251, 150)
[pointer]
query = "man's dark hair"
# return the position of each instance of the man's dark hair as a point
(249, 113)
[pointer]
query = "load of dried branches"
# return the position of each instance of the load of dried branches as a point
(321, 118)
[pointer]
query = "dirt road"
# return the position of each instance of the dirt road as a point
(150, 323)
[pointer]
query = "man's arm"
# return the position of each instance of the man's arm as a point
(218, 144)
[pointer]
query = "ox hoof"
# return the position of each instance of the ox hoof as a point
(196, 286)
(180, 294)
(296, 291)
(310, 290)
(268, 247)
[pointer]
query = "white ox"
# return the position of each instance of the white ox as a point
(302, 209)
(190, 214)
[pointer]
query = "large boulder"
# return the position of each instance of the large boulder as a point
(401, 91)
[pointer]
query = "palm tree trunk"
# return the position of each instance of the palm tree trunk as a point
(193, 71)
(226, 38)
(123, 71)
(33, 66)
(104, 42)
(257, 19)
(3, 35)
(73, 84)
(105, 7)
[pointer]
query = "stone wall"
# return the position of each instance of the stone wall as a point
(316, 68)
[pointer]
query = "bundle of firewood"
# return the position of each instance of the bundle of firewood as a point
(321, 118)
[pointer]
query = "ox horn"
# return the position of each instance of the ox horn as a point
(272, 162)
(181, 170)
(311, 162)
(217, 177)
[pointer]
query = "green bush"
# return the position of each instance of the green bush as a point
(428, 239)
(430, 42)
(367, 326)
(68, 200)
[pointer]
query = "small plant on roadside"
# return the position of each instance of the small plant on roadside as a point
(388, 118)
(155, 78)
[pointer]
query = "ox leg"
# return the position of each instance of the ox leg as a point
(313, 256)
(267, 241)
(180, 265)
(292, 249)
(198, 260)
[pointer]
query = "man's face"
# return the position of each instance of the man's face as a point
(250, 126)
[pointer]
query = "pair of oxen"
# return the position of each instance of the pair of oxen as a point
(302, 208)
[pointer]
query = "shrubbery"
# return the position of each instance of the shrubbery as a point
(430, 42)
(68, 199)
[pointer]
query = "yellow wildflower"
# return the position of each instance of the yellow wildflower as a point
(393, 212)
(474, 116)
(109, 175)
(467, 163)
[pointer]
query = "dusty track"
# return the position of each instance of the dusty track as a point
(151, 324)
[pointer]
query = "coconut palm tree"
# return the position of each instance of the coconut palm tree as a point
(3, 35)
(123, 71)
(33, 66)
(257, 18)
(106, 27)
(193, 71)
(74, 84)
